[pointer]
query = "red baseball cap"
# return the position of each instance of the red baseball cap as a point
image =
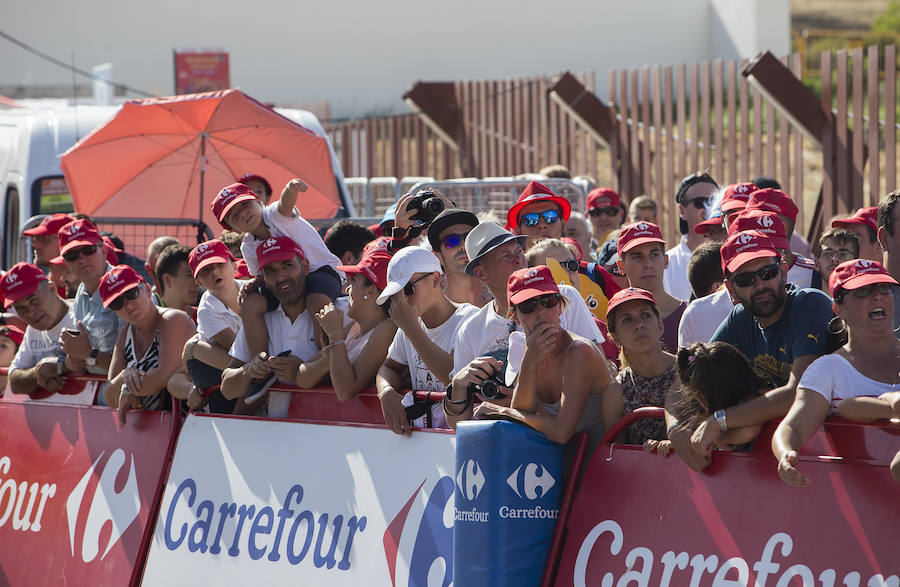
(857, 273)
(208, 253)
(636, 234)
(379, 244)
(78, 233)
(536, 192)
(373, 265)
(629, 294)
(768, 223)
(49, 225)
(528, 283)
(706, 225)
(241, 271)
(117, 281)
(775, 201)
(741, 247)
(112, 251)
(13, 333)
(603, 198)
(20, 281)
(228, 197)
(867, 216)
(279, 248)
(736, 195)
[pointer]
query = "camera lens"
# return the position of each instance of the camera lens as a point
(434, 206)
(490, 389)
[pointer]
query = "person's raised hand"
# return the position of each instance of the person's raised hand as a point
(404, 314)
(331, 321)
(77, 346)
(295, 186)
(541, 343)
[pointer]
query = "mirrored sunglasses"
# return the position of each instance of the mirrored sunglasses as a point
(451, 241)
(533, 218)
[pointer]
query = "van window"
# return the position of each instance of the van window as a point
(11, 230)
(51, 195)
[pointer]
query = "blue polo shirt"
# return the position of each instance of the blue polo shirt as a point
(101, 323)
(801, 330)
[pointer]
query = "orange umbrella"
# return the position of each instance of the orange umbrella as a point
(169, 157)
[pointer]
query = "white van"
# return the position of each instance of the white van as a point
(31, 182)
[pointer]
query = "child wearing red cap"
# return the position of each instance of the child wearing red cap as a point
(10, 339)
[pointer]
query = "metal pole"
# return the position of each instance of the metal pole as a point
(203, 137)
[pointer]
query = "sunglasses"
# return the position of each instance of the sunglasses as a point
(533, 218)
(865, 291)
(748, 278)
(529, 306)
(571, 265)
(698, 202)
(451, 241)
(604, 211)
(410, 288)
(130, 295)
(87, 251)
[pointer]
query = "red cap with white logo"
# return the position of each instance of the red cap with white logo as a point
(768, 223)
(530, 282)
(279, 248)
(536, 192)
(736, 195)
(857, 273)
(78, 233)
(741, 247)
(775, 201)
(864, 216)
(629, 294)
(636, 234)
(208, 253)
(228, 198)
(117, 281)
(49, 225)
(603, 198)
(20, 282)
(373, 265)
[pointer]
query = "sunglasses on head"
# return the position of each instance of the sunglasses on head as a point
(410, 288)
(604, 211)
(529, 306)
(130, 295)
(451, 241)
(73, 255)
(533, 218)
(748, 278)
(864, 291)
(698, 202)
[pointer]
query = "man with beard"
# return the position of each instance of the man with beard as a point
(779, 328)
(283, 268)
(447, 236)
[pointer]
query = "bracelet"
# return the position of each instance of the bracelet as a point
(449, 393)
(334, 344)
(452, 411)
(721, 421)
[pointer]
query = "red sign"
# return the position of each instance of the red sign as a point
(645, 520)
(201, 71)
(77, 493)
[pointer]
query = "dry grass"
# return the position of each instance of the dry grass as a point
(835, 14)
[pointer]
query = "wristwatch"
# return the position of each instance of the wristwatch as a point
(91, 360)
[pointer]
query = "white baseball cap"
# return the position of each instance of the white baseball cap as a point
(404, 264)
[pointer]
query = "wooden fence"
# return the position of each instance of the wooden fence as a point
(670, 121)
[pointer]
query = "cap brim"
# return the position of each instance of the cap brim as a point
(641, 241)
(734, 264)
(703, 227)
(858, 281)
(390, 289)
(733, 205)
(57, 261)
(79, 243)
(279, 256)
(9, 301)
(217, 260)
(470, 266)
(635, 298)
(36, 231)
(233, 203)
(845, 222)
(533, 292)
(129, 287)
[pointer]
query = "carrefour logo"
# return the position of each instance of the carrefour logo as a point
(531, 481)
(470, 479)
(120, 508)
(766, 221)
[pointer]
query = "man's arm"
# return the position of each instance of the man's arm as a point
(387, 382)
(47, 374)
(438, 361)
(237, 377)
(679, 435)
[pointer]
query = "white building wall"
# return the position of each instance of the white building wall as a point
(360, 55)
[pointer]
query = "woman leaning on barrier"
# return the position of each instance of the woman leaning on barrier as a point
(860, 379)
(148, 350)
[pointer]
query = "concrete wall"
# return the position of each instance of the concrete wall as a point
(361, 55)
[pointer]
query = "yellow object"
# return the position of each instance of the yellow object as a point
(591, 292)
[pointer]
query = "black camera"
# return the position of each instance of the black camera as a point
(428, 204)
(489, 388)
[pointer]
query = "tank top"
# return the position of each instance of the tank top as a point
(150, 359)
(591, 421)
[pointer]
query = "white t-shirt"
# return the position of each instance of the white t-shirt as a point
(40, 344)
(284, 335)
(675, 278)
(213, 316)
(486, 333)
(703, 316)
(801, 272)
(836, 379)
(299, 230)
(403, 352)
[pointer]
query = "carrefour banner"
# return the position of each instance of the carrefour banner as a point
(77, 493)
(262, 502)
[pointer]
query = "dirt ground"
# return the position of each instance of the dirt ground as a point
(835, 14)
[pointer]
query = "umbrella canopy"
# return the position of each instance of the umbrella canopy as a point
(169, 157)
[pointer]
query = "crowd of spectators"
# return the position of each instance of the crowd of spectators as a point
(562, 320)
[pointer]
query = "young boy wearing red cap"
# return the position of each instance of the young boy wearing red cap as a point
(643, 261)
(538, 213)
(238, 208)
(865, 224)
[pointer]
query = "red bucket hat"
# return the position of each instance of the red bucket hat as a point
(208, 253)
(20, 281)
(857, 273)
(736, 195)
(741, 247)
(536, 192)
(629, 294)
(636, 234)
(279, 248)
(528, 283)
(78, 233)
(117, 281)
(768, 223)
(603, 198)
(865, 216)
(229, 197)
(775, 201)
(49, 225)
(373, 265)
